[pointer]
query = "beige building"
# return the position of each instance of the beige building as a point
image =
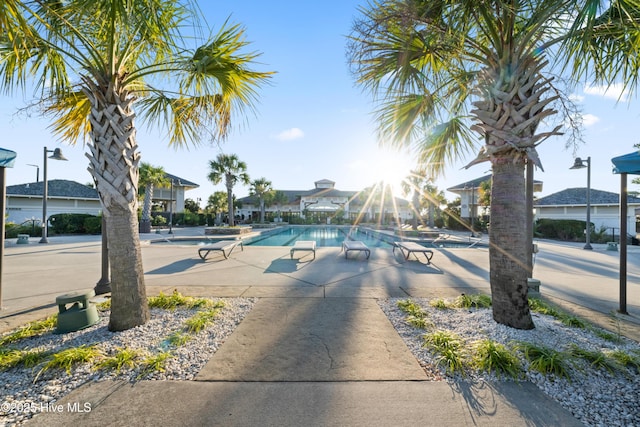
(324, 203)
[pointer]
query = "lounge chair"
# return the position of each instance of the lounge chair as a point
(408, 248)
(224, 246)
(304, 245)
(355, 245)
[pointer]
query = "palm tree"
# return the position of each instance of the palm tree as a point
(229, 168)
(262, 188)
(216, 204)
(278, 198)
(150, 177)
(448, 71)
(91, 63)
(411, 185)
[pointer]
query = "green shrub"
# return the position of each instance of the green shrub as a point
(93, 225)
(562, 229)
(12, 230)
(158, 220)
(65, 223)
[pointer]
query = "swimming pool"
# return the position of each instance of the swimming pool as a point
(323, 236)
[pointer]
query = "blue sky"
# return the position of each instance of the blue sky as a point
(313, 123)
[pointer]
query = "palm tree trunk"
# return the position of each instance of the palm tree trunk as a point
(145, 225)
(262, 210)
(113, 164)
(232, 221)
(508, 268)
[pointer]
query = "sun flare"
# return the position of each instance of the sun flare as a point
(392, 168)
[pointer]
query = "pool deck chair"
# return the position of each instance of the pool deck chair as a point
(355, 245)
(224, 246)
(304, 245)
(408, 248)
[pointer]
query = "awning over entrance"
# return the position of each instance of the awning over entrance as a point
(7, 157)
(628, 163)
(623, 165)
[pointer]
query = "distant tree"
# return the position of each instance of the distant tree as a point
(432, 199)
(411, 185)
(277, 198)
(216, 204)
(191, 205)
(150, 177)
(262, 189)
(228, 168)
(484, 194)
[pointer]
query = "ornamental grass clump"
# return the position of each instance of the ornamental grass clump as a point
(201, 320)
(31, 329)
(491, 356)
(439, 304)
(545, 360)
(597, 359)
(154, 363)
(176, 299)
(448, 348)
(68, 358)
(417, 316)
(475, 301)
(10, 358)
(123, 358)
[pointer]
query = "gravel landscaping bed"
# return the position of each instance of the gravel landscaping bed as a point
(25, 390)
(595, 396)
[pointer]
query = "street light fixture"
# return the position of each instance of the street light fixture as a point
(580, 164)
(37, 171)
(57, 155)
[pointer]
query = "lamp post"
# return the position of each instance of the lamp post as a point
(37, 171)
(580, 164)
(57, 155)
(171, 209)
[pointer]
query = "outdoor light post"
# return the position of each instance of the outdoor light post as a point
(171, 209)
(580, 164)
(57, 155)
(37, 171)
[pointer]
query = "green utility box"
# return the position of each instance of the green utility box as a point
(76, 312)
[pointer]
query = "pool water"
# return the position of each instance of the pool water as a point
(323, 236)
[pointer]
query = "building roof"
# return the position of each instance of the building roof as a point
(55, 188)
(475, 183)
(181, 181)
(578, 197)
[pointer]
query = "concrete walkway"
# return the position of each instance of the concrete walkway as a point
(316, 349)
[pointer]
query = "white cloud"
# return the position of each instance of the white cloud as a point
(589, 120)
(615, 91)
(576, 98)
(289, 134)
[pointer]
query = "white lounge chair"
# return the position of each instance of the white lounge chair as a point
(224, 246)
(355, 245)
(408, 248)
(304, 245)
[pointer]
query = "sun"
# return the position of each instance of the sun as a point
(391, 167)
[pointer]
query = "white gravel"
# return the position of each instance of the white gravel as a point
(595, 396)
(23, 392)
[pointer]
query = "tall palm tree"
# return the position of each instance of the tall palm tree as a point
(261, 188)
(448, 72)
(150, 177)
(411, 185)
(91, 62)
(231, 170)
